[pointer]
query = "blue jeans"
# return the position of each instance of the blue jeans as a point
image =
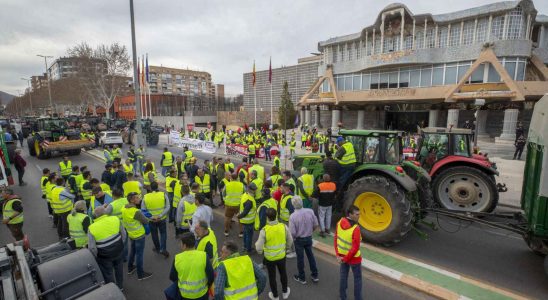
(267, 154)
(173, 293)
(302, 246)
(164, 170)
(343, 284)
(248, 236)
(172, 209)
(126, 246)
(135, 168)
(136, 255)
(155, 227)
(346, 172)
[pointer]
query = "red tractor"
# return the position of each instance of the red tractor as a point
(461, 180)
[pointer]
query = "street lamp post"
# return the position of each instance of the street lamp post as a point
(135, 79)
(30, 97)
(47, 78)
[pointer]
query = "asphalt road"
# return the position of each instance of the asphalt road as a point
(38, 228)
(489, 255)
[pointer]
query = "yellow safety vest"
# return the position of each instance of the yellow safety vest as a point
(107, 154)
(190, 266)
(168, 159)
(259, 184)
(275, 178)
(210, 237)
(131, 186)
(205, 186)
(307, 181)
(78, 178)
(188, 156)
(155, 203)
(117, 206)
(190, 208)
(246, 175)
(169, 180)
(250, 217)
(240, 279)
(86, 194)
(146, 181)
(234, 191)
(43, 184)
(59, 206)
(259, 169)
(349, 155)
(76, 229)
(133, 227)
(66, 169)
(177, 193)
(251, 149)
(270, 203)
(277, 162)
(228, 167)
(116, 153)
(105, 188)
(128, 169)
(274, 246)
(344, 239)
(284, 212)
(106, 231)
(8, 211)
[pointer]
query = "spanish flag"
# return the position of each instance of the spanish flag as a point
(254, 74)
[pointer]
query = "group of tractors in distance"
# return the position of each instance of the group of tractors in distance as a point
(443, 176)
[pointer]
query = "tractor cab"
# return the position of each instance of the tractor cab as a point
(375, 146)
(438, 143)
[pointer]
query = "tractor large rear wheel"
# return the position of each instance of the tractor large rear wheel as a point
(385, 212)
(30, 145)
(154, 139)
(466, 189)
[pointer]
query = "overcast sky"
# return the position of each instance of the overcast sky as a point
(222, 37)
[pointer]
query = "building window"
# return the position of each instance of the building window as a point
(419, 39)
(497, 27)
(408, 42)
(383, 81)
(374, 81)
(442, 37)
(377, 44)
(335, 54)
(350, 49)
(463, 68)
(393, 80)
(404, 78)
(348, 83)
(415, 78)
(477, 75)
(450, 74)
(368, 47)
(366, 81)
(356, 82)
(481, 30)
(425, 77)
(468, 33)
(493, 75)
(437, 76)
(430, 38)
(342, 49)
(510, 67)
(454, 39)
(516, 24)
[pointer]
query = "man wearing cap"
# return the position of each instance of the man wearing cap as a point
(12, 214)
(347, 159)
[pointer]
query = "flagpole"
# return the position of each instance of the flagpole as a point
(271, 114)
(149, 104)
(255, 100)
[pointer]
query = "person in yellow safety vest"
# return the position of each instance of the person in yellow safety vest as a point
(65, 168)
(243, 174)
(251, 151)
(260, 217)
(85, 187)
(134, 220)
(257, 167)
(248, 209)
(61, 203)
(303, 140)
(232, 195)
(83, 135)
(99, 198)
(188, 155)
(157, 203)
(128, 167)
(114, 208)
(276, 162)
(207, 242)
(140, 153)
(149, 176)
(166, 161)
(185, 210)
(106, 237)
(229, 166)
(238, 277)
(347, 250)
(275, 176)
(107, 153)
(305, 187)
(116, 154)
(12, 214)
(347, 160)
(74, 180)
(43, 186)
(274, 239)
(191, 274)
(288, 178)
(179, 166)
(204, 180)
(258, 184)
(171, 181)
(78, 222)
(286, 207)
(131, 185)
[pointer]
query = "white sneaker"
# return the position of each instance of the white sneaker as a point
(291, 255)
(286, 295)
(271, 296)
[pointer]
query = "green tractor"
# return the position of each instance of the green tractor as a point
(390, 200)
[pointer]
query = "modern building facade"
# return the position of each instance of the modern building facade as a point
(65, 67)
(299, 78)
(171, 81)
(405, 70)
(38, 82)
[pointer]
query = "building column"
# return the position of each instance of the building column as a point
(307, 115)
(317, 117)
(453, 117)
(301, 117)
(509, 125)
(335, 119)
(433, 116)
(481, 121)
(361, 119)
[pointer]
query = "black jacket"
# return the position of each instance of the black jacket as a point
(331, 167)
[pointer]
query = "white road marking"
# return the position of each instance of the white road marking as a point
(386, 271)
(435, 269)
(38, 167)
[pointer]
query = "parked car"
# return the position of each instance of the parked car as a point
(110, 138)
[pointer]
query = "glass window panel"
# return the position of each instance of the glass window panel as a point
(408, 42)
(426, 77)
(516, 24)
(419, 39)
(442, 37)
(521, 71)
(357, 83)
(393, 80)
(437, 76)
(377, 43)
(493, 76)
(477, 75)
(340, 83)
(415, 78)
(481, 30)
(454, 39)
(430, 38)
(468, 33)
(366, 81)
(510, 68)
(374, 81)
(348, 83)
(497, 26)
(462, 71)
(383, 82)
(404, 79)
(450, 75)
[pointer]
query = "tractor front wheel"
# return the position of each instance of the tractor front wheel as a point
(466, 189)
(385, 212)
(30, 144)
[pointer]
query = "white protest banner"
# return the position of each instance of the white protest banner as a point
(192, 144)
(209, 147)
(174, 137)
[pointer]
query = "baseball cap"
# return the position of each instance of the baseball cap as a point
(340, 139)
